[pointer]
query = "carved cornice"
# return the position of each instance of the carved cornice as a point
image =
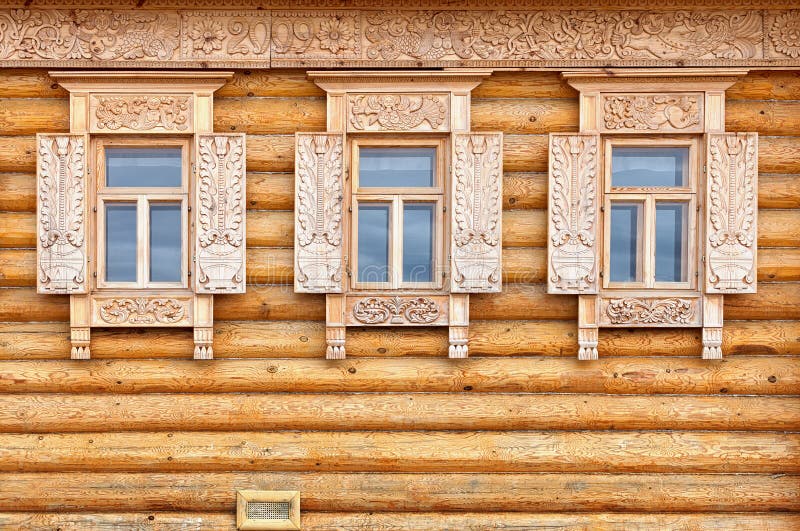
(553, 36)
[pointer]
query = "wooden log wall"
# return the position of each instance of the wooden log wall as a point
(397, 436)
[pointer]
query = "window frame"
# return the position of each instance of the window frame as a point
(649, 197)
(396, 197)
(142, 197)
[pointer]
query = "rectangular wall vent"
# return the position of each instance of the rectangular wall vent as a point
(267, 509)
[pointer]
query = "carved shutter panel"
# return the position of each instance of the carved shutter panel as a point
(477, 213)
(319, 185)
(220, 213)
(731, 212)
(61, 213)
(573, 205)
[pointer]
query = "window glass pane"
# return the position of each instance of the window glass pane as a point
(649, 166)
(143, 167)
(671, 242)
(121, 242)
(396, 167)
(166, 233)
(418, 227)
(373, 243)
(625, 235)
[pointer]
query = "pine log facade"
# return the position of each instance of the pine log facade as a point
(521, 434)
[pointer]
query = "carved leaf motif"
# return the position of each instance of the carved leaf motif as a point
(142, 113)
(732, 207)
(142, 311)
(476, 213)
(650, 311)
(651, 112)
(396, 310)
(573, 214)
(319, 167)
(61, 184)
(398, 112)
(220, 213)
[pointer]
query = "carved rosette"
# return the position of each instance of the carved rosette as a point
(784, 33)
(316, 34)
(643, 311)
(220, 213)
(476, 246)
(145, 112)
(731, 208)
(398, 112)
(142, 311)
(61, 188)
(652, 112)
(226, 35)
(573, 206)
(396, 310)
(319, 170)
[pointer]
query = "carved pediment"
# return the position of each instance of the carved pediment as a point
(636, 113)
(398, 112)
(153, 113)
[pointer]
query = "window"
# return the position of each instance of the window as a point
(397, 205)
(142, 213)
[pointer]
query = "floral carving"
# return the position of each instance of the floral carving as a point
(316, 34)
(732, 184)
(142, 311)
(651, 112)
(476, 221)
(650, 311)
(396, 310)
(398, 112)
(61, 184)
(334, 35)
(573, 214)
(207, 35)
(318, 212)
(220, 213)
(785, 34)
(142, 113)
(226, 35)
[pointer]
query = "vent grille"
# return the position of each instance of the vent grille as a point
(264, 510)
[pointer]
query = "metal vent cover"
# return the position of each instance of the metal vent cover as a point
(258, 510)
(265, 510)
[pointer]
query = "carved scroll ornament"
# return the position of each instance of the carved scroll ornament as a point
(476, 246)
(396, 310)
(630, 310)
(142, 311)
(398, 112)
(61, 184)
(141, 113)
(319, 167)
(220, 213)
(572, 243)
(651, 112)
(732, 207)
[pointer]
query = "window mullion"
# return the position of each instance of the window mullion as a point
(396, 235)
(143, 243)
(650, 241)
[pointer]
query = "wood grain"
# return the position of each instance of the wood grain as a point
(270, 83)
(524, 115)
(766, 85)
(23, 116)
(524, 85)
(29, 83)
(765, 117)
(260, 116)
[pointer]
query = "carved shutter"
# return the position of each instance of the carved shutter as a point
(61, 213)
(573, 205)
(477, 213)
(319, 185)
(220, 213)
(731, 212)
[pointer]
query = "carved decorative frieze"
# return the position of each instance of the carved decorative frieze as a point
(398, 112)
(476, 212)
(61, 194)
(572, 244)
(142, 311)
(731, 208)
(220, 213)
(145, 112)
(651, 311)
(546, 36)
(319, 170)
(652, 112)
(396, 310)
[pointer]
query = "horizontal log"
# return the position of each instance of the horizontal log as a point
(270, 191)
(269, 116)
(778, 154)
(29, 83)
(780, 300)
(19, 192)
(25, 305)
(524, 85)
(321, 491)
(525, 116)
(43, 413)
(269, 83)
(107, 521)
(778, 190)
(401, 451)
(23, 116)
(732, 376)
(18, 154)
(766, 85)
(765, 117)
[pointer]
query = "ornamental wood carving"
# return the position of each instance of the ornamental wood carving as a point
(651, 311)
(220, 213)
(573, 213)
(148, 311)
(398, 112)
(476, 223)
(319, 171)
(652, 112)
(61, 208)
(396, 310)
(391, 37)
(140, 113)
(732, 184)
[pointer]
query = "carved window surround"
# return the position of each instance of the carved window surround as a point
(435, 103)
(677, 103)
(145, 105)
